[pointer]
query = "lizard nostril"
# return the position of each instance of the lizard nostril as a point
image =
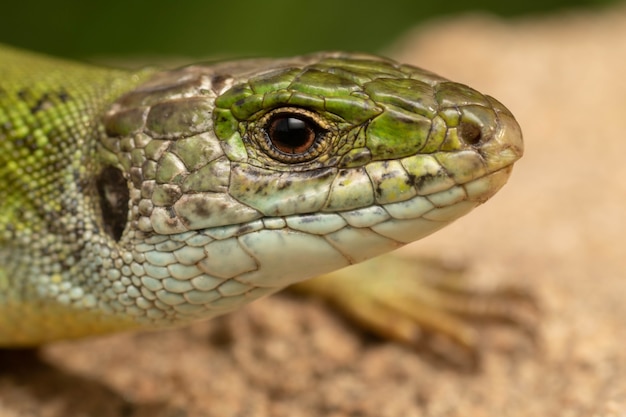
(470, 133)
(477, 125)
(114, 197)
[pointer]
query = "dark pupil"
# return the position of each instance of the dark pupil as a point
(291, 135)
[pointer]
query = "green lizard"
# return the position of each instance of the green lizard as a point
(140, 200)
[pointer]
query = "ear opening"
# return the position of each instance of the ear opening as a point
(114, 196)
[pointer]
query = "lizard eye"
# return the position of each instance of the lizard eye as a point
(292, 135)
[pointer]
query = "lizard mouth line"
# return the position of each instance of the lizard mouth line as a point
(437, 209)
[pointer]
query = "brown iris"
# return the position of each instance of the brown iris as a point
(292, 135)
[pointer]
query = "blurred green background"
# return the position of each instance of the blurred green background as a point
(203, 28)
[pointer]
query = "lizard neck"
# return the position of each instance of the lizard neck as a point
(50, 125)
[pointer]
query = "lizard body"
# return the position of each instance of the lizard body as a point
(144, 199)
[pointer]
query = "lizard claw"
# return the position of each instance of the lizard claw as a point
(425, 303)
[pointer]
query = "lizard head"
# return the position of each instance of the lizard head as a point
(225, 182)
